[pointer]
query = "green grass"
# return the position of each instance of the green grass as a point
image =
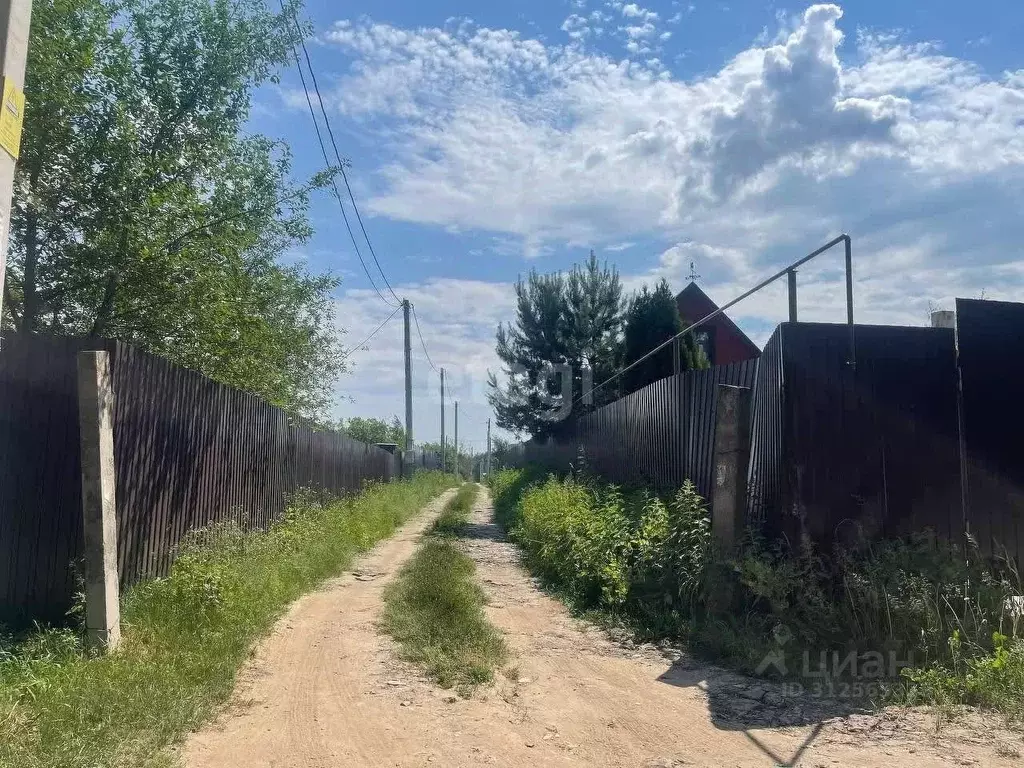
(434, 609)
(184, 636)
(456, 512)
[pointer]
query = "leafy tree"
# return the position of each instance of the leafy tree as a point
(374, 430)
(652, 318)
(143, 213)
(568, 329)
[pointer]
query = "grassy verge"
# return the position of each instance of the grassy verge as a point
(184, 637)
(913, 617)
(434, 609)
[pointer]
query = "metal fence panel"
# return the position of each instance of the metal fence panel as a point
(990, 337)
(188, 452)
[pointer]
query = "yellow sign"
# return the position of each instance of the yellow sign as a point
(12, 115)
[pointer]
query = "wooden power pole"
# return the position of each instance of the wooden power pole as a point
(15, 19)
(458, 469)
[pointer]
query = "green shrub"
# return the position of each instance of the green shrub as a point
(994, 680)
(608, 548)
(637, 555)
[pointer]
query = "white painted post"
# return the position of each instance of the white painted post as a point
(99, 511)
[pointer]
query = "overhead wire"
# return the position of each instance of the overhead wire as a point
(337, 154)
(351, 195)
(327, 160)
(376, 330)
(422, 342)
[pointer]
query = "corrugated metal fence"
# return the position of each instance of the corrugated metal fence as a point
(842, 450)
(885, 447)
(656, 437)
(188, 452)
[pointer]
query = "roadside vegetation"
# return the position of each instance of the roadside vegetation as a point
(185, 636)
(435, 610)
(647, 561)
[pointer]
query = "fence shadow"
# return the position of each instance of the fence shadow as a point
(739, 703)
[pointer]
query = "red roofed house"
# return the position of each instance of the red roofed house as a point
(721, 339)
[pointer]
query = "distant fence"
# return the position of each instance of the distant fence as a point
(883, 448)
(188, 452)
(657, 436)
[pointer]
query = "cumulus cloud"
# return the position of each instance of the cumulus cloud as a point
(503, 133)
(918, 154)
(634, 11)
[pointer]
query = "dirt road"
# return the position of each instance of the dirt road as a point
(326, 690)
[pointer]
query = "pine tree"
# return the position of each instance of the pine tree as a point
(652, 318)
(568, 328)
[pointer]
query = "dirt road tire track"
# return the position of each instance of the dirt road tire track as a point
(327, 690)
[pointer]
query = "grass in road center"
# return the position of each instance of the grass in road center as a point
(455, 514)
(434, 609)
(184, 636)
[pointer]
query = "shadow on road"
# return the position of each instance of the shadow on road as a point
(740, 703)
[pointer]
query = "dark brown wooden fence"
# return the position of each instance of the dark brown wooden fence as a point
(188, 452)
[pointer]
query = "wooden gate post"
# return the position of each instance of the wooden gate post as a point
(731, 459)
(96, 424)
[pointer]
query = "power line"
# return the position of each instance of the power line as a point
(422, 342)
(337, 154)
(375, 332)
(327, 160)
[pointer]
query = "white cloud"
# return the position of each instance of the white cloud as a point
(497, 132)
(918, 154)
(634, 11)
(576, 26)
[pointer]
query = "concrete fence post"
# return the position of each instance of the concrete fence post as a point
(99, 512)
(731, 459)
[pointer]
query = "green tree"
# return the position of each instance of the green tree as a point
(143, 213)
(566, 338)
(651, 319)
(374, 430)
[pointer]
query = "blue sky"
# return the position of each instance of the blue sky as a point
(489, 139)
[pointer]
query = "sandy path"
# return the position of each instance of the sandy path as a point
(327, 690)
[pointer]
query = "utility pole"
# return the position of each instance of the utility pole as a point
(408, 377)
(15, 18)
(444, 445)
(488, 464)
(458, 469)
